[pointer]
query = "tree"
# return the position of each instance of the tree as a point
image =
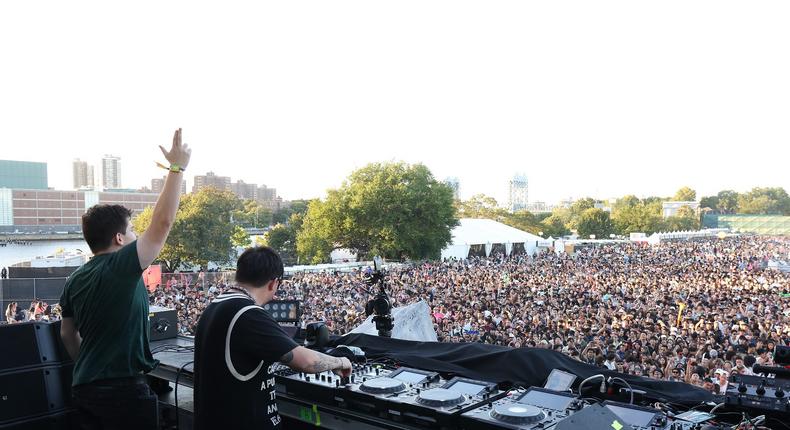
(523, 220)
(240, 238)
(282, 238)
(631, 215)
(393, 209)
(710, 202)
(282, 215)
(685, 194)
(577, 209)
(684, 219)
(595, 221)
(252, 214)
(764, 201)
(554, 226)
(480, 206)
(203, 231)
(727, 201)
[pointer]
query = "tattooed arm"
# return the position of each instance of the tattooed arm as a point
(309, 361)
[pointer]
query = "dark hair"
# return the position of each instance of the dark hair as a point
(102, 222)
(258, 265)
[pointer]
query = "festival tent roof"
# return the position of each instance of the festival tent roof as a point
(487, 232)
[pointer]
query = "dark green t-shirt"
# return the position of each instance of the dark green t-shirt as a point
(109, 303)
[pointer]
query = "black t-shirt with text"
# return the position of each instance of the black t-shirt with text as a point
(236, 343)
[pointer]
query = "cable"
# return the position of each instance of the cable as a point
(178, 374)
(590, 379)
(631, 390)
(713, 411)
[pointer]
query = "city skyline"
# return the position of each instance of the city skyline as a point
(189, 185)
(589, 99)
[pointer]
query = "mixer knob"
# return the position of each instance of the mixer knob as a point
(742, 387)
(761, 389)
(779, 393)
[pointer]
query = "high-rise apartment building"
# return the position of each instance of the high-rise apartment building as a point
(111, 172)
(158, 184)
(82, 174)
(211, 180)
(268, 197)
(244, 190)
(518, 193)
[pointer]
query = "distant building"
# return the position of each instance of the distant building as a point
(602, 206)
(82, 174)
(158, 184)
(669, 209)
(111, 172)
(267, 197)
(26, 207)
(539, 207)
(566, 203)
(211, 180)
(455, 185)
(518, 193)
(244, 190)
(23, 174)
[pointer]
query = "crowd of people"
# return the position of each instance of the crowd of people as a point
(692, 311)
(39, 310)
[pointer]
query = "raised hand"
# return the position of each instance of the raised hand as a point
(179, 153)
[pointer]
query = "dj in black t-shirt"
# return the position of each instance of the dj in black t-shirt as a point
(236, 344)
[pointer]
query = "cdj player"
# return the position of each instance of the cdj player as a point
(537, 408)
(419, 397)
(406, 395)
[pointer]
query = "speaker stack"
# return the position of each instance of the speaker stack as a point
(35, 378)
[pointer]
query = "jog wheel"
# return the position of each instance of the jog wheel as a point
(382, 386)
(517, 413)
(440, 398)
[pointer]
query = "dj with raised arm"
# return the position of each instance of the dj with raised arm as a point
(237, 342)
(105, 309)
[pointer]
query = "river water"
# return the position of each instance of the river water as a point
(13, 253)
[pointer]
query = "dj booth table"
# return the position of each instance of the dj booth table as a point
(296, 413)
(307, 401)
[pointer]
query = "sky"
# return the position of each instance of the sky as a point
(600, 98)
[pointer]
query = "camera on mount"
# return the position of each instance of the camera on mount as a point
(380, 305)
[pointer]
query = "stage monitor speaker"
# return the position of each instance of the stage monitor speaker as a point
(30, 344)
(593, 417)
(61, 420)
(31, 392)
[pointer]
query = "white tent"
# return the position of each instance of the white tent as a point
(488, 232)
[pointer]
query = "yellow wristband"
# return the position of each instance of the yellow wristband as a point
(175, 168)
